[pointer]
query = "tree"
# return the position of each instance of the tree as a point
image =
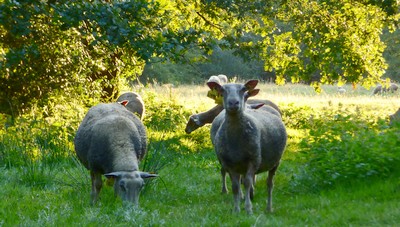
(85, 48)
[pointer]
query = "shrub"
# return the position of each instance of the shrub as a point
(343, 146)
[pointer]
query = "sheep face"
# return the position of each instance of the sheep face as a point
(193, 124)
(235, 95)
(128, 185)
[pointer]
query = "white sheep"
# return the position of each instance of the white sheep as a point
(214, 79)
(341, 90)
(133, 102)
(246, 141)
(111, 141)
(199, 120)
(223, 79)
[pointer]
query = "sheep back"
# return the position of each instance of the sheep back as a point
(110, 138)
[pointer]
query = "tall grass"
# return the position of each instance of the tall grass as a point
(339, 167)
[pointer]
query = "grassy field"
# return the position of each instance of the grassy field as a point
(339, 168)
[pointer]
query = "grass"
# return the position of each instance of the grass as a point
(188, 191)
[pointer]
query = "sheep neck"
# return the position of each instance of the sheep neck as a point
(235, 121)
(208, 116)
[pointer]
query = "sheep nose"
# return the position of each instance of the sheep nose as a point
(234, 103)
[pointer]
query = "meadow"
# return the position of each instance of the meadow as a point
(340, 167)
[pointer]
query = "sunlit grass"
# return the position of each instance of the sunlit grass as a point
(56, 191)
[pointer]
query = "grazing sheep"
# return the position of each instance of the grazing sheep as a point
(111, 141)
(393, 87)
(246, 141)
(341, 90)
(380, 89)
(377, 89)
(199, 120)
(395, 117)
(135, 103)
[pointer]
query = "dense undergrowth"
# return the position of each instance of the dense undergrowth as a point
(329, 145)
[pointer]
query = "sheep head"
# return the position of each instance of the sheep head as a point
(128, 184)
(234, 95)
(193, 124)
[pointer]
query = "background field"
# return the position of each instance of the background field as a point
(340, 167)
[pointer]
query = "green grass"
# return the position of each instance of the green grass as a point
(53, 189)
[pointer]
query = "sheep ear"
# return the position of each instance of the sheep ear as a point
(256, 106)
(147, 175)
(215, 92)
(113, 174)
(251, 93)
(214, 86)
(124, 102)
(251, 84)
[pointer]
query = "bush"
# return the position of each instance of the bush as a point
(343, 146)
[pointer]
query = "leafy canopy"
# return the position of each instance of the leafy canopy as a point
(85, 49)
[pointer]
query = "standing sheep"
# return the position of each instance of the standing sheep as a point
(380, 89)
(111, 141)
(246, 141)
(341, 90)
(135, 103)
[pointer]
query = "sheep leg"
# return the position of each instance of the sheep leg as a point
(248, 184)
(252, 188)
(96, 186)
(223, 174)
(270, 186)
(235, 178)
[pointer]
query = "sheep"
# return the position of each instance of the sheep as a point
(377, 89)
(394, 117)
(214, 79)
(341, 90)
(223, 79)
(246, 141)
(393, 87)
(111, 141)
(135, 103)
(380, 89)
(199, 120)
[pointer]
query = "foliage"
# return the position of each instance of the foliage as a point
(344, 145)
(88, 48)
(163, 114)
(329, 42)
(36, 149)
(392, 54)
(197, 72)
